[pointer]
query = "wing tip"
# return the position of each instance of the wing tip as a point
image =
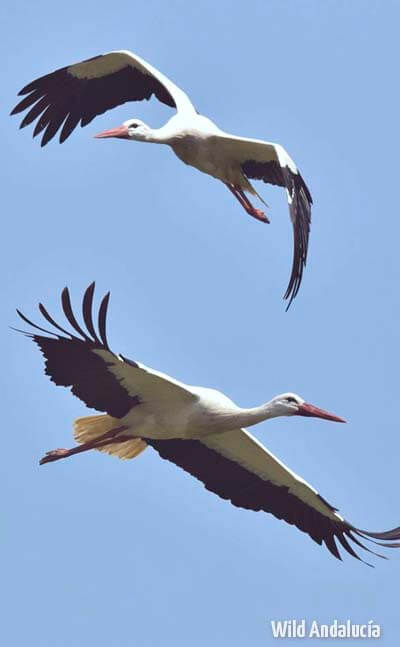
(69, 315)
(300, 212)
(66, 89)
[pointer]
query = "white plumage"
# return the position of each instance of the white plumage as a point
(79, 92)
(197, 428)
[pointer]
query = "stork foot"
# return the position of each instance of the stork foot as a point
(54, 455)
(258, 214)
(241, 197)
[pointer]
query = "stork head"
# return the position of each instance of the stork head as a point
(133, 129)
(291, 404)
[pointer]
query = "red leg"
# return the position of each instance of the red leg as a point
(105, 439)
(246, 204)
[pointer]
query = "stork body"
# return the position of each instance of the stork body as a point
(77, 93)
(199, 429)
(197, 142)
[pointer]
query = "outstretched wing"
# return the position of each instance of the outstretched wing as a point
(269, 162)
(237, 467)
(83, 360)
(80, 92)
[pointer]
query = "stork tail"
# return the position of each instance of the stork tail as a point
(89, 428)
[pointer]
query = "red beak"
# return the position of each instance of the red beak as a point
(306, 409)
(121, 132)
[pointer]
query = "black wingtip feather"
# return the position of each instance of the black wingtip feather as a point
(329, 541)
(71, 362)
(350, 534)
(230, 480)
(25, 103)
(87, 305)
(102, 319)
(67, 308)
(386, 535)
(50, 319)
(61, 95)
(300, 213)
(347, 546)
(30, 323)
(23, 332)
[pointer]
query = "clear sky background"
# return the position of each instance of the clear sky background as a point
(103, 552)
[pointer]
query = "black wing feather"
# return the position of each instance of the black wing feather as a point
(70, 361)
(60, 97)
(246, 490)
(300, 213)
(28, 321)
(102, 320)
(87, 305)
(66, 305)
(37, 109)
(50, 319)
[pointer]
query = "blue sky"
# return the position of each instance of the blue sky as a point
(100, 551)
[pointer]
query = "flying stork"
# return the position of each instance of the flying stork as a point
(80, 92)
(198, 429)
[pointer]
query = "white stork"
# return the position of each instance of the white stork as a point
(80, 92)
(198, 429)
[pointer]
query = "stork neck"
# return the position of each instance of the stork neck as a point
(158, 136)
(248, 417)
(254, 415)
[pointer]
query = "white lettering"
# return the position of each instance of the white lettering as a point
(279, 628)
(288, 628)
(297, 629)
(314, 630)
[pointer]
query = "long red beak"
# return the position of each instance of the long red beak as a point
(306, 409)
(121, 132)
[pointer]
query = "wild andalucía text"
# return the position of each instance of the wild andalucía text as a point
(315, 629)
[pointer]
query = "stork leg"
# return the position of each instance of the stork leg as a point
(109, 438)
(246, 204)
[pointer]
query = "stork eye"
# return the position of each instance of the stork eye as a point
(133, 126)
(291, 399)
